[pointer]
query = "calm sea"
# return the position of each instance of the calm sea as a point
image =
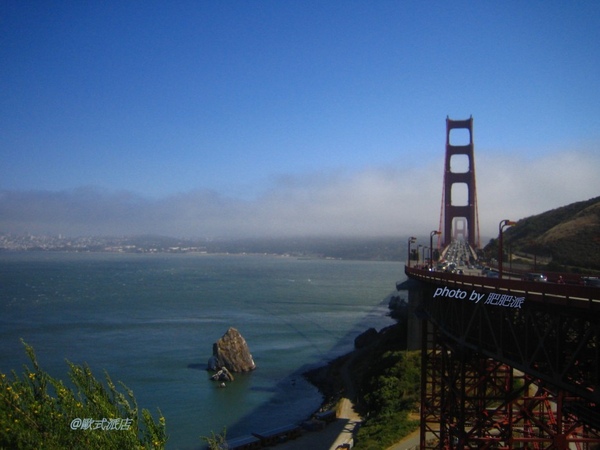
(150, 322)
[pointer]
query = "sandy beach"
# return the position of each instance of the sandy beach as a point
(340, 431)
(333, 435)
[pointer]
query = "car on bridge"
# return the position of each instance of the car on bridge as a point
(591, 281)
(536, 277)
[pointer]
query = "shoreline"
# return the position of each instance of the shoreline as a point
(317, 431)
(339, 382)
(334, 423)
(335, 382)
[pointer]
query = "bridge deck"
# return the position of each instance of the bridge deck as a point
(568, 295)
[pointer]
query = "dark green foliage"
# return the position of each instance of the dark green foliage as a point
(390, 380)
(393, 383)
(39, 411)
(381, 432)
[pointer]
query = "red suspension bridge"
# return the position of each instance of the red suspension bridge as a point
(506, 363)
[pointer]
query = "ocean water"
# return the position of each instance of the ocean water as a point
(150, 322)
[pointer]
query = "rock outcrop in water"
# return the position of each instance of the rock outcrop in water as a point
(223, 375)
(231, 351)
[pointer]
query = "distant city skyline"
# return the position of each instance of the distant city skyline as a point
(204, 119)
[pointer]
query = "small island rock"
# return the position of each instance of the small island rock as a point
(231, 352)
(223, 375)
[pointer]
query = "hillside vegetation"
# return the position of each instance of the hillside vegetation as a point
(569, 237)
(386, 379)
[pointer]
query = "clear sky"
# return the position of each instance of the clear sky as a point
(204, 118)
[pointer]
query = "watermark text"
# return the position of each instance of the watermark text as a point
(505, 300)
(101, 424)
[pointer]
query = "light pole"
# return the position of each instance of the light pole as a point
(433, 233)
(411, 240)
(424, 251)
(503, 223)
(418, 249)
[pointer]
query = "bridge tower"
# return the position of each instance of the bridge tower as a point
(459, 220)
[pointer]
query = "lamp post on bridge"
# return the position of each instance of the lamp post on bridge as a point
(424, 252)
(433, 233)
(503, 224)
(418, 250)
(411, 240)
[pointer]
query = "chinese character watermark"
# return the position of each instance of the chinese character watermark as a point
(101, 424)
(505, 300)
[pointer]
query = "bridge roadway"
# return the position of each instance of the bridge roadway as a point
(550, 332)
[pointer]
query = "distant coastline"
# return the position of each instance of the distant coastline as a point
(350, 248)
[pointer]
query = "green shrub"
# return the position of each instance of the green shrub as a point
(381, 432)
(393, 383)
(216, 441)
(39, 411)
(391, 380)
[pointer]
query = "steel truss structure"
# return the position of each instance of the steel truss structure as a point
(518, 368)
(470, 401)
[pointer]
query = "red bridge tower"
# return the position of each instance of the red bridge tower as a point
(459, 220)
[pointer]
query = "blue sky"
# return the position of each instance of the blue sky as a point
(203, 118)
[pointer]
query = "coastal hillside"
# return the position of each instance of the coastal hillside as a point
(565, 238)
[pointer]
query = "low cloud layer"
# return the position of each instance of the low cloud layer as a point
(385, 201)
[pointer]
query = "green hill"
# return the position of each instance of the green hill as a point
(568, 238)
